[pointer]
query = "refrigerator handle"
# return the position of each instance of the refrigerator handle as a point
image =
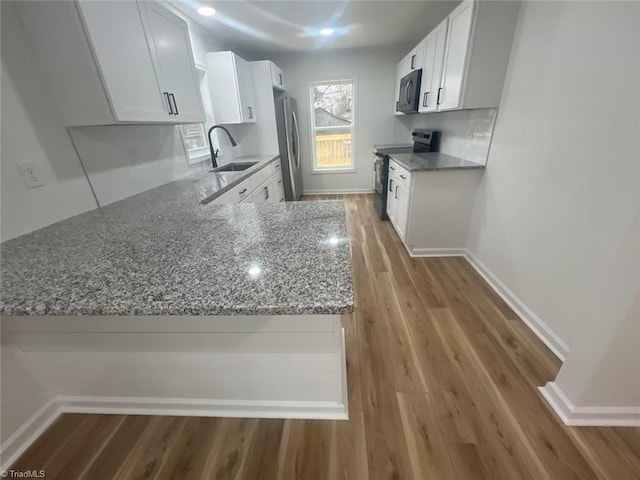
(297, 133)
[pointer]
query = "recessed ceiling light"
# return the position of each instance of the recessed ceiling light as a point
(207, 11)
(325, 32)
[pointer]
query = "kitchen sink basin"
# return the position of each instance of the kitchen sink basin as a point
(234, 167)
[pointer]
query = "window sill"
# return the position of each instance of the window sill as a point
(325, 171)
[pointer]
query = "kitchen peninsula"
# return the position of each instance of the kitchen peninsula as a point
(160, 304)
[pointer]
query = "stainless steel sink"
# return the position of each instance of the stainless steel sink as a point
(234, 167)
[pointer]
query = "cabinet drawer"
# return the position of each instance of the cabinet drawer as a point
(401, 174)
(236, 194)
(263, 174)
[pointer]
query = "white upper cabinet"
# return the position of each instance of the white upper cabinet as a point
(479, 39)
(277, 76)
(123, 60)
(465, 58)
(435, 45)
(230, 88)
(396, 88)
(413, 60)
(171, 51)
(96, 58)
(458, 36)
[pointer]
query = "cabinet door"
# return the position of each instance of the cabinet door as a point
(435, 45)
(277, 77)
(402, 210)
(391, 199)
(276, 192)
(120, 48)
(279, 189)
(170, 44)
(257, 196)
(415, 59)
(245, 90)
(396, 87)
(458, 37)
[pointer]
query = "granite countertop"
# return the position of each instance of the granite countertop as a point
(418, 162)
(214, 184)
(161, 252)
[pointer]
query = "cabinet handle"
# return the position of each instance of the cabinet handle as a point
(395, 195)
(166, 94)
(250, 112)
(279, 182)
(391, 168)
(413, 65)
(438, 99)
(266, 193)
(403, 177)
(242, 192)
(425, 103)
(173, 97)
(391, 184)
(280, 77)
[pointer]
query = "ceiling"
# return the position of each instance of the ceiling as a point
(295, 25)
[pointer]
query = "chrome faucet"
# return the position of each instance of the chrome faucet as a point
(214, 153)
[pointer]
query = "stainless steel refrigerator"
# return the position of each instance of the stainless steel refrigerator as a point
(289, 145)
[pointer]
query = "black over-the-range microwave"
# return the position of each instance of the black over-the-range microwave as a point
(409, 95)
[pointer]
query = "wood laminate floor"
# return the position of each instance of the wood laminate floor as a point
(442, 385)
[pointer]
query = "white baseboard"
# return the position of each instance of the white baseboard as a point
(542, 330)
(588, 416)
(24, 436)
(344, 191)
(18, 443)
(202, 407)
(436, 252)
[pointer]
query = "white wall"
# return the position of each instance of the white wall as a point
(22, 392)
(464, 134)
(374, 72)
(32, 132)
(602, 369)
(125, 160)
(556, 215)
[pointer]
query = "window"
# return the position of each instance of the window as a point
(332, 125)
(195, 143)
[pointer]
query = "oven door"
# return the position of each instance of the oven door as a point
(380, 175)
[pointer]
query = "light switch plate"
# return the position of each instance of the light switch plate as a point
(31, 174)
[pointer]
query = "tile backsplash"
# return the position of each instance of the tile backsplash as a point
(465, 133)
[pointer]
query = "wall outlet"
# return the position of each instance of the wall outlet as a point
(31, 174)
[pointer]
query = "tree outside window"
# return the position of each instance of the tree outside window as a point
(332, 120)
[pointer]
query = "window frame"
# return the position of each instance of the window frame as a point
(195, 155)
(354, 127)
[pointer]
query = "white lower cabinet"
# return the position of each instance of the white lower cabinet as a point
(402, 210)
(430, 210)
(264, 186)
(398, 199)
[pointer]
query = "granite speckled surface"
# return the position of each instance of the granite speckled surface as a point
(216, 183)
(163, 253)
(418, 162)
